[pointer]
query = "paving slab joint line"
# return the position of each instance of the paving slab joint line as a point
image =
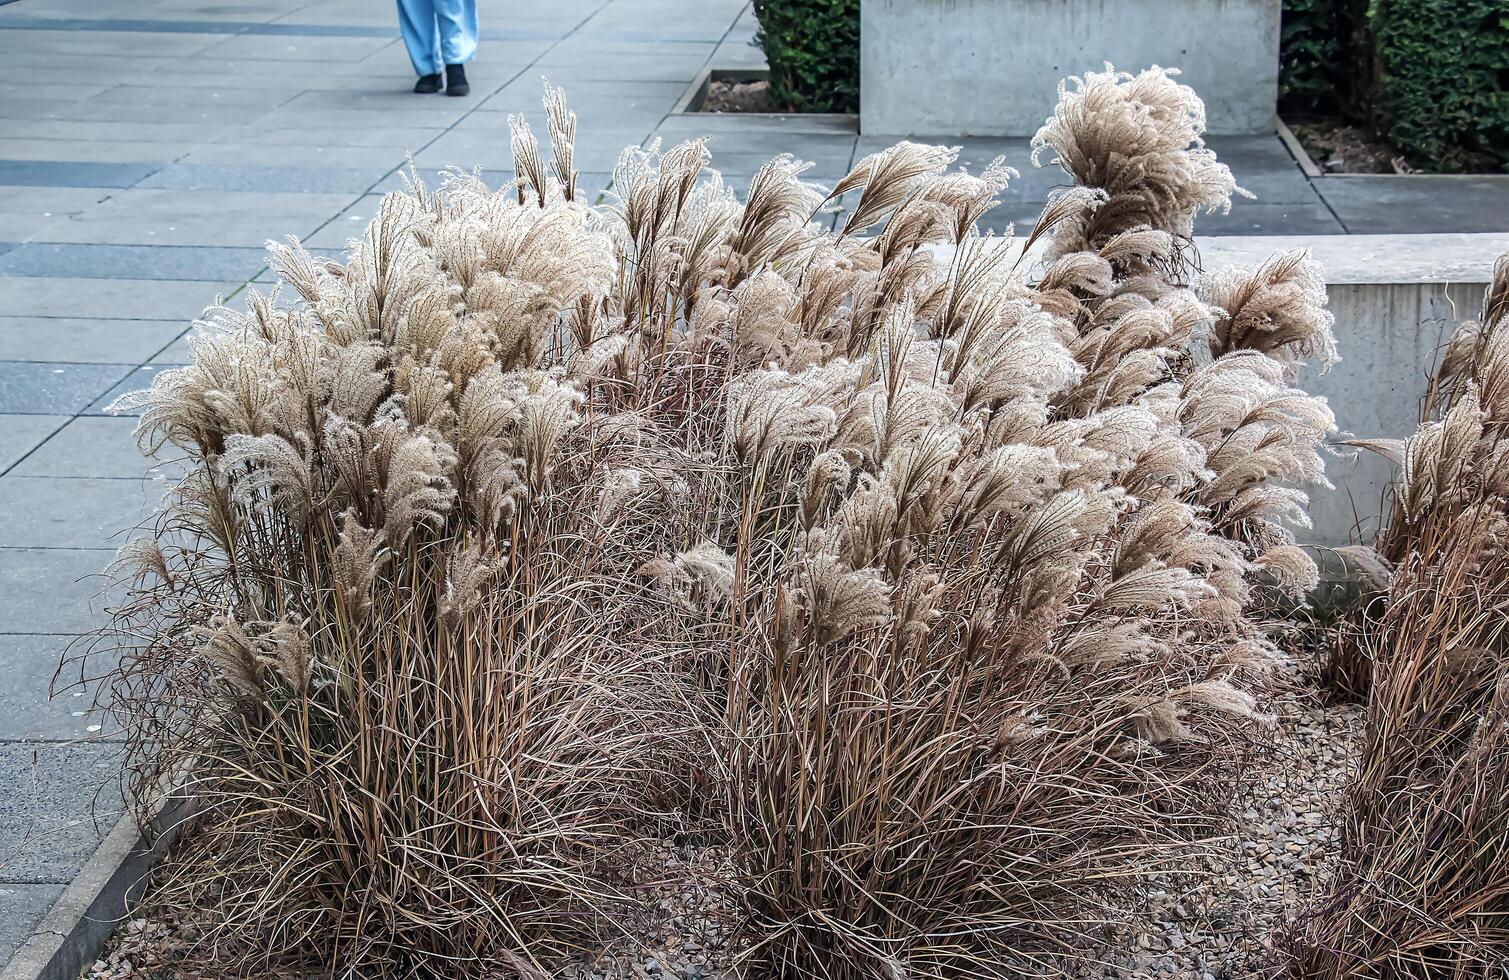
(71, 934)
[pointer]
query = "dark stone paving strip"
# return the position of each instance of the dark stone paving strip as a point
(71, 173)
(296, 180)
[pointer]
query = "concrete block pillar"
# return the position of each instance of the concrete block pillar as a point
(992, 67)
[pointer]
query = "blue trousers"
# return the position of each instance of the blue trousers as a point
(438, 32)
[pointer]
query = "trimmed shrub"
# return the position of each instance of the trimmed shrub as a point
(1322, 63)
(812, 47)
(1309, 55)
(1442, 90)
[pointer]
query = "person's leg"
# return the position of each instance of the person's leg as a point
(417, 23)
(457, 21)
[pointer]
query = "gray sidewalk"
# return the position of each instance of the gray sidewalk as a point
(147, 150)
(146, 153)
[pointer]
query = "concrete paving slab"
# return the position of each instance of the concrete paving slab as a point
(77, 512)
(32, 338)
(47, 388)
(80, 129)
(56, 200)
(413, 111)
(1388, 204)
(87, 12)
(94, 447)
(293, 48)
(23, 225)
(93, 151)
(215, 116)
(154, 299)
(179, 352)
(80, 64)
(628, 50)
(1286, 186)
(641, 113)
(29, 710)
(243, 179)
(293, 77)
(757, 126)
(433, 178)
(371, 160)
(71, 173)
(21, 908)
(181, 96)
(62, 801)
(397, 140)
(524, 93)
(346, 225)
(1257, 218)
(142, 216)
(79, 260)
(58, 84)
(21, 434)
(51, 590)
(32, 106)
(16, 39)
(567, 73)
(490, 150)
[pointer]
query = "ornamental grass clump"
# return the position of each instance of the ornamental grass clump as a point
(940, 584)
(1422, 890)
(1005, 655)
(389, 629)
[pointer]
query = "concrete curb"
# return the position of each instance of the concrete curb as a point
(100, 896)
(1297, 150)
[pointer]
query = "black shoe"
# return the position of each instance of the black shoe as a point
(455, 80)
(427, 84)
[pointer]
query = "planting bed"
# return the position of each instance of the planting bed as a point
(689, 588)
(731, 95)
(1211, 914)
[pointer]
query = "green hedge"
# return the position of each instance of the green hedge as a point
(1443, 79)
(1429, 76)
(1318, 55)
(812, 47)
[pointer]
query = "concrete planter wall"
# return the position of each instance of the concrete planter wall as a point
(1396, 299)
(992, 67)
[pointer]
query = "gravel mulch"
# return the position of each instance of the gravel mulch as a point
(731, 96)
(689, 917)
(1215, 921)
(1338, 148)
